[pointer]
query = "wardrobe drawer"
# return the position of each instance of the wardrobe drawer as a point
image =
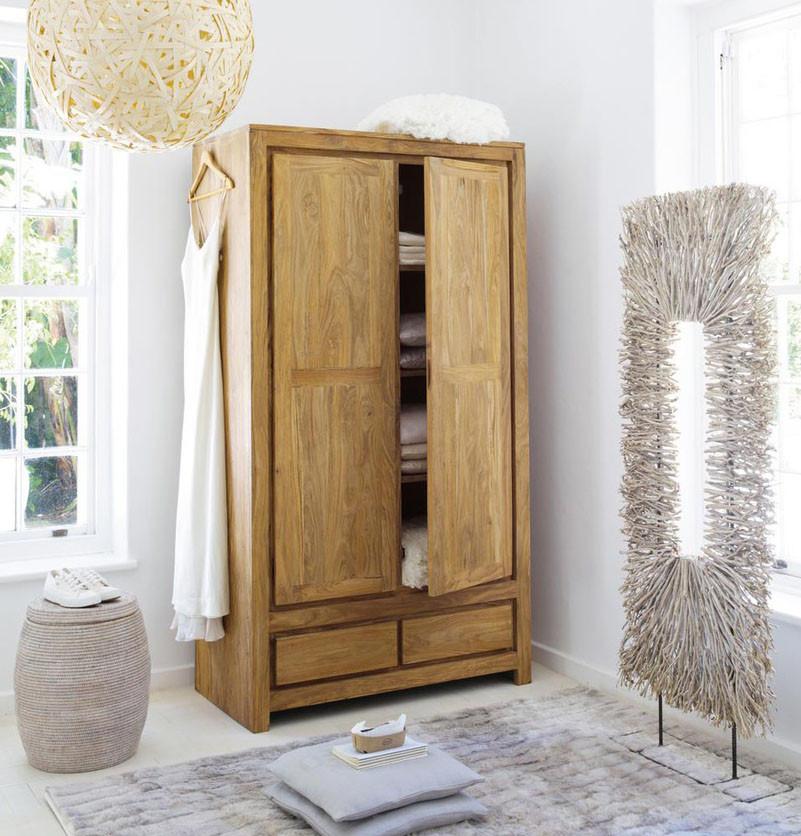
(336, 652)
(458, 633)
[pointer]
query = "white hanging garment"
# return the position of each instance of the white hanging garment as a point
(200, 584)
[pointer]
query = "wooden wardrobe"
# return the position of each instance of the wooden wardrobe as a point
(311, 290)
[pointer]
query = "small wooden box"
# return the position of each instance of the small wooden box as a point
(365, 744)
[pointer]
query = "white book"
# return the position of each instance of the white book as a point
(365, 760)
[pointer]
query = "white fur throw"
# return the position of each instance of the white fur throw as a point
(439, 116)
(414, 539)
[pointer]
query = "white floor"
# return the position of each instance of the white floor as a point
(181, 725)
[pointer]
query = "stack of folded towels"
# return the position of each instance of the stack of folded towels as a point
(413, 433)
(413, 341)
(389, 800)
(412, 248)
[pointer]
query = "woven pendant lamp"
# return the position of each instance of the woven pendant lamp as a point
(140, 74)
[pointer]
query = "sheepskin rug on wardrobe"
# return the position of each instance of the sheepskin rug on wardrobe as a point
(439, 116)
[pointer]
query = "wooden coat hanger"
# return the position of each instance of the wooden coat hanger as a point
(207, 164)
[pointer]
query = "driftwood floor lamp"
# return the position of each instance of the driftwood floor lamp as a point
(697, 632)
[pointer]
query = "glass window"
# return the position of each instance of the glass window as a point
(762, 130)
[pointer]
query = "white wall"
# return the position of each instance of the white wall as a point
(575, 79)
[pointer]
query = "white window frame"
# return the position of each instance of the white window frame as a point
(94, 535)
(714, 27)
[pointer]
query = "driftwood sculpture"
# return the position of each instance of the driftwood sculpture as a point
(697, 631)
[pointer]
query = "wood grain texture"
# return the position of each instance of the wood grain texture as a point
(453, 634)
(329, 653)
(397, 146)
(402, 602)
(520, 407)
(336, 386)
(234, 672)
(394, 680)
(469, 388)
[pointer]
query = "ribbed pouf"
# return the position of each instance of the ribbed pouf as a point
(81, 684)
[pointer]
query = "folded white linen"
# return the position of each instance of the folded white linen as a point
(413, 451)
(414, 466)
(411, 239)
(413, 329)
(414, 540)
(413, 428)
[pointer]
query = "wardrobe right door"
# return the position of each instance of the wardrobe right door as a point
(469, 386)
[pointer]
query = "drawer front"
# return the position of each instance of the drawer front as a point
(336, 652)
(458, 634)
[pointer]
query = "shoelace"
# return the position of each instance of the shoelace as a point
(92, 576)
(70, 580)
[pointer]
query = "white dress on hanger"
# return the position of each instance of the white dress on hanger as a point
(200, 585)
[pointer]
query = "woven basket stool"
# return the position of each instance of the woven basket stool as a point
(81, 684)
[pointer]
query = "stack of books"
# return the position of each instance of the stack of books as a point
(410, 750)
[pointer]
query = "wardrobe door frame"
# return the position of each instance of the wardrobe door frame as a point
(469, 381)
(336, 371)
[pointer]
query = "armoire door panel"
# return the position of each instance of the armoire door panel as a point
(469, 386)
(336, 360)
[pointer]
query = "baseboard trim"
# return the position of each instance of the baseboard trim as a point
(771, 747)
(161, 679)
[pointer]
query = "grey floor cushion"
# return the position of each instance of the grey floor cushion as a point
(409, 819)
(347, 794)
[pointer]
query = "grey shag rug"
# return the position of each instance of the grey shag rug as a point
(578, 762)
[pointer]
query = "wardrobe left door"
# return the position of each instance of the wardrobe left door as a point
(335, 295)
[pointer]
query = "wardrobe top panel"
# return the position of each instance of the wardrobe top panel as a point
(327, 139)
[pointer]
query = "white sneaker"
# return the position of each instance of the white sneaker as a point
(97, 582)
(65, 589)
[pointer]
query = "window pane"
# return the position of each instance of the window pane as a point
(795, 69)
(51, 333)
(8, 167)
(51, 411)
(788, 498)
(7, 249)
(50, 251)
(8, 494)
(764, 155)
(763, 75)
(776, 265)
(794, 171)
(8, 414)
(51, 173)
(37, 114)
(790, 435)
(52, 491)
(8, 93)
(793, 236)
(8, 333)
(792, 314)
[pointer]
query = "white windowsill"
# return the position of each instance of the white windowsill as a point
(35, 568)
(785, 598)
